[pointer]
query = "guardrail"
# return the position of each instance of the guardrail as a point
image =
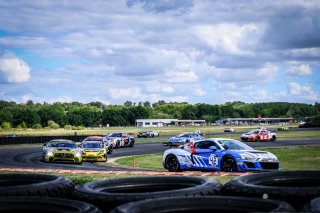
(37, 139)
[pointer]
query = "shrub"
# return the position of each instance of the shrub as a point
(6, 125)
(37, 126)
(53, 125)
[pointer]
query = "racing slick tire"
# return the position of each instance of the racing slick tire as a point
(273, 138)
(205, 204)
(110, 193)
(45, 204)
(35, 185)
(312, 206)
(258, 139)
(172, 163)
(294, 187)
(228, 164)
(110, 149)
(117, 145)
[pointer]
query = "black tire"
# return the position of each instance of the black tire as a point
(229, 164)
(131, 143)
(172, 164)
(205, 204)
(45, 204)
(258, 139)
(312, 206)
(117, 145)
(110, 149)
(273, 138)
(295, 187)
(109, 193)
(35, 185)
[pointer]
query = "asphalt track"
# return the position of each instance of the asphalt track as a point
(29, 156)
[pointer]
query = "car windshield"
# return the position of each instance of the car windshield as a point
(92, 145)
(63, 145)
(183, 135)
(254, 132)
(93, 139)
(233, 145)
(115, 135)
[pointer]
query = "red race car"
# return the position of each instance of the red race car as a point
(259, 135)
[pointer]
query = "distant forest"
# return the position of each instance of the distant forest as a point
(94, 114)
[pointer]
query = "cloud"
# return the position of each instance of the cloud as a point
(180, 77)
(304, 91)
(299, 70)
(13, 69)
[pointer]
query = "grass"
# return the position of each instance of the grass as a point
(291, 158)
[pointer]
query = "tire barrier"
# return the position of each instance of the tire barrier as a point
(204, 204)
(37, 139)
(107, 194)
(312, 206)
(35, 185)
(45, 204)
(295, 187)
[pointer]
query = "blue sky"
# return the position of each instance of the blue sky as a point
(198, 51)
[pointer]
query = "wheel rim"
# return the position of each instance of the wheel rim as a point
(172, 164)
(229, 165)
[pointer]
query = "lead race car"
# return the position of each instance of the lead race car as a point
(61, 150)
(259, 135)
(218, 154)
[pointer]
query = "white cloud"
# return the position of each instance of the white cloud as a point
(302, 70)
(230, 38)
(13, 69)
(303, 90)
(125, 93)
(268, 71)
(180, 77)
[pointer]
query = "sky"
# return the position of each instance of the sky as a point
(195, 51)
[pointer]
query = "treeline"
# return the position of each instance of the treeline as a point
(94, 114)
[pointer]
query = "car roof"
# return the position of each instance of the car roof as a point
(94, 137)
(61, 140)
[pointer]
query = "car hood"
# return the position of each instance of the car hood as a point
(63, 150)
(258, 155)
(92, 149)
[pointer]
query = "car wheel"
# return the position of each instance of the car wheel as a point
(117, 145)
(172, 163)
(45, 204)
(312, 206)
(131, 144)
(294, 187)
(110, 149)
(109, 193)
(258, 139)
(35, 185)
(273, 138)
(228, 164)
(205, 204)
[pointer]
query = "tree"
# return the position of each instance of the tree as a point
(6, 125)
(128, 104)
(53, 125)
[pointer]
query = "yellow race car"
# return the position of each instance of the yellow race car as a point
(94, 151)
(61, 150)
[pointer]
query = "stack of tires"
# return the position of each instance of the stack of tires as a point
(263, 192)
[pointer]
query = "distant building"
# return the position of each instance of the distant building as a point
(168, 122)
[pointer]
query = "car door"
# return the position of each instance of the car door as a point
(205, 156)
(264, 135)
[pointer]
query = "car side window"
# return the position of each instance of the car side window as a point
(205, 145)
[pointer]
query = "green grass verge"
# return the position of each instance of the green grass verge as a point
(291, 158)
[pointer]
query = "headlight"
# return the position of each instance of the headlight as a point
(49, 153)
(77, 154)
(246, 156)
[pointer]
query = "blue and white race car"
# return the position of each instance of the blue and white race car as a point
(183, 138)
(218, 154)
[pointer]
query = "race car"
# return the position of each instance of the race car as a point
(148, 133)
(183, 138)
(61, 150)
(107, 144)
(229, 129)
(218, 154)
(94, 151)
(259, 135)
(119, 139)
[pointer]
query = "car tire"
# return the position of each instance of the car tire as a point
(204, 204)
(312, 206)
(258, 139)
(294, 187)
(172, 163)
(117, 145)
(110, 150)
(35, 185)
(45, 204)
(228, 164)
(109, 193)
(273, 138)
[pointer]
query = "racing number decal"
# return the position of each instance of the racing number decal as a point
(213, 160)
